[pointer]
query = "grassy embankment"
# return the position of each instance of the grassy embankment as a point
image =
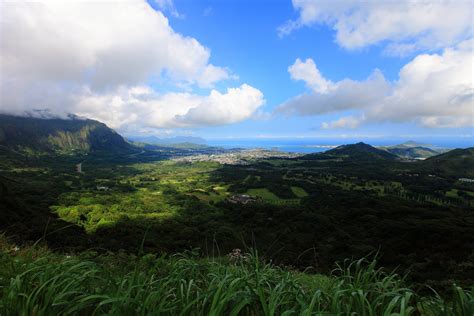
(36, 281)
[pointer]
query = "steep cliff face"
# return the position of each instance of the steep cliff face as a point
(58, 135)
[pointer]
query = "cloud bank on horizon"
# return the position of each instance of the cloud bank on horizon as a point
(101, 61)
(123, 64)
(432, 90)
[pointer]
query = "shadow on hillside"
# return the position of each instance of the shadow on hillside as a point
(25, 222)
(431, 244)
(30, 184)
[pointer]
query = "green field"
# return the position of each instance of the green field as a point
(270, 197)
(299, 192)
(264, 194)
(153, 190)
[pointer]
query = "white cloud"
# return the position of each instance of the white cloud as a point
(168, 5)
(343, 95)
(406, 25)
(101, 43)
(437, 90)
(343, 122)
(234, 106)
(433, 90)
(309, 73)
(89, 58)
(212, 74)
(141, 106)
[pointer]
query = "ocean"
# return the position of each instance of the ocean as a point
(310, 145)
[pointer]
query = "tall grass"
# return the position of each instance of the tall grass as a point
(37, 283)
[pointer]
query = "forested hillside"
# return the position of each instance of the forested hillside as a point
(30, 135)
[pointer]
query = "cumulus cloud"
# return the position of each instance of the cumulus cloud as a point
(143, 107)
(406, 25)
(234, 106)
(103, 43)
(437, 90)
(343, 95)
(433, 90)
(309, 73)
(100, 58)
(343, 122)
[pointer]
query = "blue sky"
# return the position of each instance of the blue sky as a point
(243, 36)
(242, 69)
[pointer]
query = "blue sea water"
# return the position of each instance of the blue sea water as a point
(310, 145)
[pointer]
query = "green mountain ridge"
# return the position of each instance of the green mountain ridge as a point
(451, 162)
(69, 136)
(411, 143)
(359, 150)
(28, 134)
(354, 152)
(413, 150)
